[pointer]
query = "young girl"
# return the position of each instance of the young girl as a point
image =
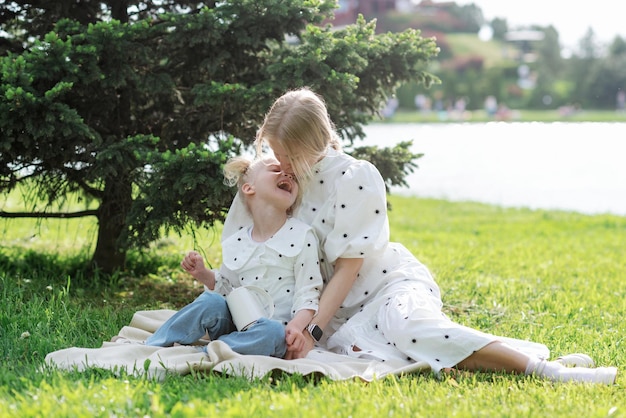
(272, 251)
(379, 301)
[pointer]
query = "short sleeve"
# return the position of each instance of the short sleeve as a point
(361, 227)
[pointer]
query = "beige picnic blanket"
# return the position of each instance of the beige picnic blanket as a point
(139, 359)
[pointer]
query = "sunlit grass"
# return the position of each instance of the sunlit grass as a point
(549, 276)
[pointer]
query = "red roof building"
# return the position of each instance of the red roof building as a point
(349, 10)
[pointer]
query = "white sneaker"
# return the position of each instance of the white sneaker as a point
(576, 360)
(557, 372)
(606, 375)
(602, 375)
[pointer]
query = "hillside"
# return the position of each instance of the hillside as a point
(466, 45)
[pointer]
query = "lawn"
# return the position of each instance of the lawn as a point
(549, 276)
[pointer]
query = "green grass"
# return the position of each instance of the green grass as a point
(549, 276)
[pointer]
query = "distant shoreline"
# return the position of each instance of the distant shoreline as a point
(480, 116)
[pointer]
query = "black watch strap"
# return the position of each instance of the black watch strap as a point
(315, 331)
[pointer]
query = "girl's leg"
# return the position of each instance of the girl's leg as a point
(208, 313)
(265, 337)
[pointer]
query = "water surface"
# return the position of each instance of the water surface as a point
(567, 166)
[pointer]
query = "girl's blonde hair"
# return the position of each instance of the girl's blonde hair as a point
(299, 122)
(236, 171)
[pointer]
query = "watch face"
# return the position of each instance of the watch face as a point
(316, 332)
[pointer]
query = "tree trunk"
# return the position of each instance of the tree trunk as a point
(109, 255)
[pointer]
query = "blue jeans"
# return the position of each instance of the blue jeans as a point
(209, 313)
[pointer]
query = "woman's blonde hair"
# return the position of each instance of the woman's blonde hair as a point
(299, 122)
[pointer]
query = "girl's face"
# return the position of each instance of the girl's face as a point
(272, 183)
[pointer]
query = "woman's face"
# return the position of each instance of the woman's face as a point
(281, 155)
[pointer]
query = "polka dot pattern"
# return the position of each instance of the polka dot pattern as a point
(345, 203)
(286, 266)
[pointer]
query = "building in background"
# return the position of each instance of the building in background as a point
(349, 10)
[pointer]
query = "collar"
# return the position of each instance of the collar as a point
(288, 241)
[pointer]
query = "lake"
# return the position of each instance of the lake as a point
(577, 167)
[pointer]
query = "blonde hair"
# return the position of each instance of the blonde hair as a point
(240, 170)
(236, 171)
(299, 122)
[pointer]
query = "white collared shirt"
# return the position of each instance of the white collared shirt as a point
(286, 266)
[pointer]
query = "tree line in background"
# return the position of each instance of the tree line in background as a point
(536, 73)
(129, 108)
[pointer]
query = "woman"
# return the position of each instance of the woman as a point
(379, 301)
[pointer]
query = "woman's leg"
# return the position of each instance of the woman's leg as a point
(501, 357)
(412, 322)
(265, 337)
(496, 356)
(208, 313)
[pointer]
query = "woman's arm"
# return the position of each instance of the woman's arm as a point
(336, 290)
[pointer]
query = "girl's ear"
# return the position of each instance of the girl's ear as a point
(247, 189)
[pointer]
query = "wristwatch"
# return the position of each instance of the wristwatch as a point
(315, 331)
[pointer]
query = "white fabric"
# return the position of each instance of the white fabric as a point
(393, 310)
(286, 266)
(138, 359)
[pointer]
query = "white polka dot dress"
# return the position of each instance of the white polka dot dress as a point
(393, 311)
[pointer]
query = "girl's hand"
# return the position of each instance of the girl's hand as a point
(299, 342)
(294, 338)
(193, 263)
(306, 347)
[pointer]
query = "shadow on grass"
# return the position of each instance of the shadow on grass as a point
(148, 281)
